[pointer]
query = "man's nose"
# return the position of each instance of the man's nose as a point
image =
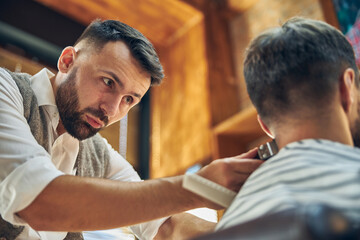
(111, 106)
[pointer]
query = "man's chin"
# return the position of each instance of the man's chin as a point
(82, 132)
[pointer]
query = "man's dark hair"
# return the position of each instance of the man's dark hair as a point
(296, 65)
(98, 33)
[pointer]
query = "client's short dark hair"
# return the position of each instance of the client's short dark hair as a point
(296, 65)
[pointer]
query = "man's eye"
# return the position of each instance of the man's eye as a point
(108, 82)
(128, 99)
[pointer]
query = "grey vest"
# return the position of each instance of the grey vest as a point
(92, 160)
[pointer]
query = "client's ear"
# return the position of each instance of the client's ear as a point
(264, 127)
(347, 88)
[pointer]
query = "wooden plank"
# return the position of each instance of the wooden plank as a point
(20, 63)
(161, 21)
(227, 146)
(244, 122)
(240, 5)
(237, 134)
(223, 86)
(329, 13)
(180, 116)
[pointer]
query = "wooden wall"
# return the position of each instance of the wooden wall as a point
(180, 117)
(224, 101)
(15, 62)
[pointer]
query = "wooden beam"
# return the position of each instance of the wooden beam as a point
(161, 21)
(242, 123)
(240, 5)
(329, 13)
(223, 86)
(18, 63)
(180, 115)
(237, 134)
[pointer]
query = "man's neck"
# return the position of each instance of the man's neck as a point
(335, 128)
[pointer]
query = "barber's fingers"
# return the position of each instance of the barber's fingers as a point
(243, 165)
(238, 181)
(250, 154)
(236, 178)
(239, 168)
(231, 172)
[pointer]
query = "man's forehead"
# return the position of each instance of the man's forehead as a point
(114, 55)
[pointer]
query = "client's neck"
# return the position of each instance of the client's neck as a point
(335, 128)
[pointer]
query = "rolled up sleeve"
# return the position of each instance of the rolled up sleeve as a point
(25, 166)
(23, 185)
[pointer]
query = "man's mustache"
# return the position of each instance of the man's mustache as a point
(97, 113)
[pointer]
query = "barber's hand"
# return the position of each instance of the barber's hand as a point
(232, 172)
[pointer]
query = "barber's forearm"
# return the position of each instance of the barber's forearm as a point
(183, 226)
(71, 203)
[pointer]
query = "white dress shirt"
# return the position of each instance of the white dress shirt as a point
(26, 167)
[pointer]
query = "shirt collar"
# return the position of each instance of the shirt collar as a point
(41, 85)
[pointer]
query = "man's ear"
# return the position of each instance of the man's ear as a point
(66, 59)
(264, 127)
(347, 88)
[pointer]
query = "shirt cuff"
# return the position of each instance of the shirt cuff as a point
(23, 185)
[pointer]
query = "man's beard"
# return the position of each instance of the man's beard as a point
(67, 101)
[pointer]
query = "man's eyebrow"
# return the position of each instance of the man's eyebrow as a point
(120, 83)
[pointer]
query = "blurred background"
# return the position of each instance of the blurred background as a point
(201, 112)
